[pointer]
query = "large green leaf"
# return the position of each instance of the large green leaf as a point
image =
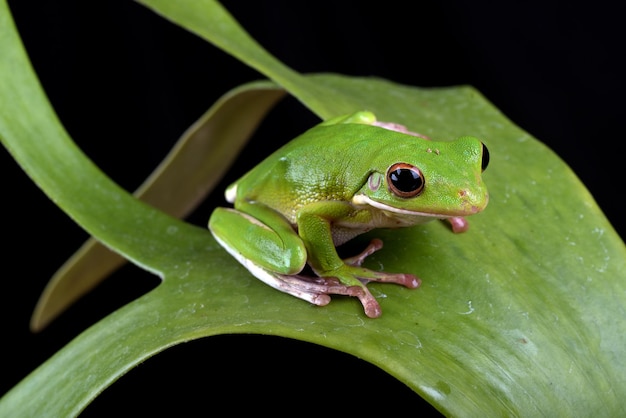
(522, 315)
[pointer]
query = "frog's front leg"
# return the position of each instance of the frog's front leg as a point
(314, 227)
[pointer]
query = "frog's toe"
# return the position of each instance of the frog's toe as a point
(371, 248)
(371, 307)
(407, 280)
(458, 224)
(320, 299)
(304, 291)
(317, 290)
(366, 275)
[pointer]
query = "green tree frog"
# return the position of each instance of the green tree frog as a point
(344, 177)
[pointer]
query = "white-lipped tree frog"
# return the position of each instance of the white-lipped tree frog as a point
(344, 177)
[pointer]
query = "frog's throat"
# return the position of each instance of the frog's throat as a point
(362, 200)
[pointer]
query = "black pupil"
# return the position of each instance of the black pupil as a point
(485, 160)
(406, 180)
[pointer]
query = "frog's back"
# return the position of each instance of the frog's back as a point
(325, 163)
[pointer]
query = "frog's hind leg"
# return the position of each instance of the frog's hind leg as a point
(265, 244)
(259, 236)
(291, 284)
(268, 246)
(275, 255)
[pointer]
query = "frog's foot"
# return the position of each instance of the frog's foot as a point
(371, 248)
(321, 287)
(407, 280)
(458, 224)
(399, 128)
(350, 280)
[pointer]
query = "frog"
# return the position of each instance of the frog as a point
(344, 177)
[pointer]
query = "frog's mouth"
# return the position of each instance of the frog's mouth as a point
(363, 200)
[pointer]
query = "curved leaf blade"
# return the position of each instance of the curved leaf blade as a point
(185, 177)
(210, 21)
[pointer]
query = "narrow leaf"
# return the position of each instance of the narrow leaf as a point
(185, 177)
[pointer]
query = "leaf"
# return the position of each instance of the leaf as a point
(519, 316)
(209, 20)
(190, 171)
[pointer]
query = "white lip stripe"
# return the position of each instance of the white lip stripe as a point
(364, 200)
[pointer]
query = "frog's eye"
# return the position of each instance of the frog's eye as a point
(485, 158)
(405, 180)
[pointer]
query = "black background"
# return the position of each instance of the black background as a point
(127, 83)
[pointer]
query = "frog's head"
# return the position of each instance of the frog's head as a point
(418, 180)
